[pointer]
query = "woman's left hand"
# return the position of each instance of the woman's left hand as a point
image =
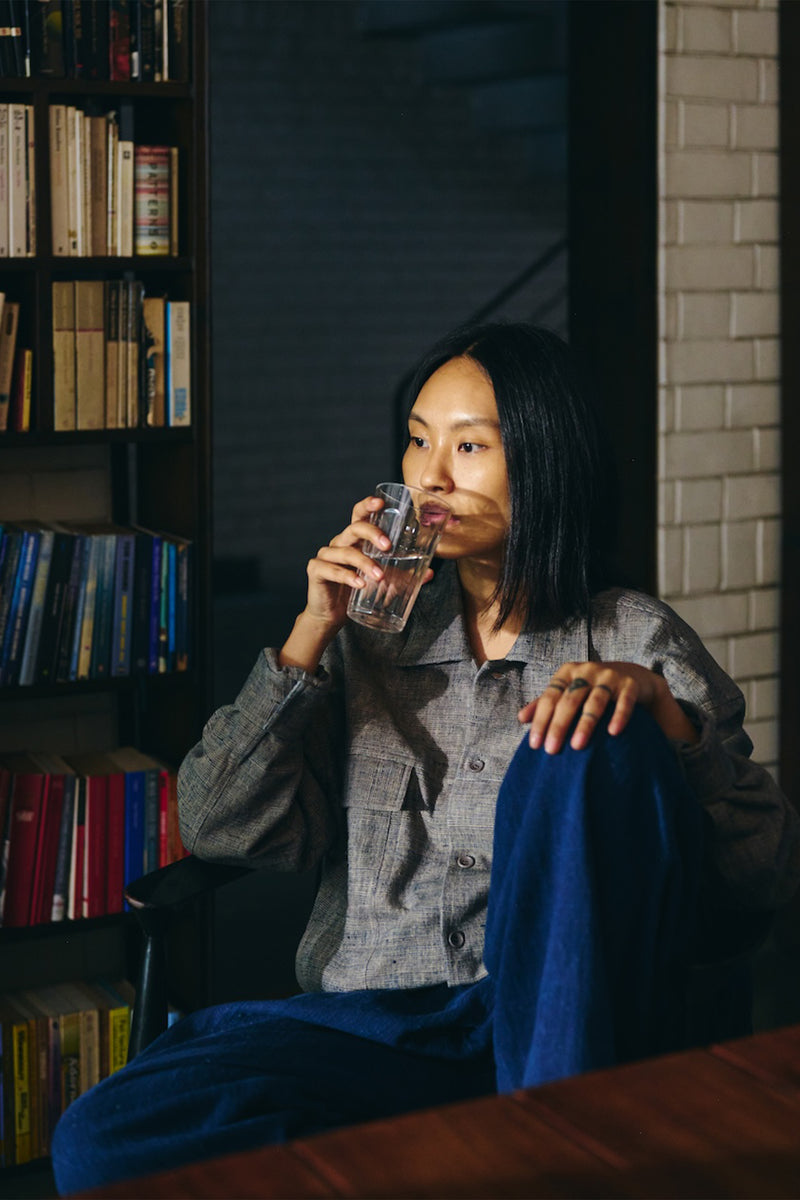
(589, 688)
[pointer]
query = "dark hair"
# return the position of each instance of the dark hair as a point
(560, 481)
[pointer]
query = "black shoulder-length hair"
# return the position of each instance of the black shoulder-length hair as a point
(561, 477)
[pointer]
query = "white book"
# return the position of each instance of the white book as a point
(17, 196)
(59, 201)
(80, 169)
(73, 176)
(112, 196)
(4, 180)
(31, 179)
(125, 199)
(179, 363)
(86, 183)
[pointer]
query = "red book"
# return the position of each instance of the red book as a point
(93, 771)
(163, 817)
(50, 833)
(115, 878)
(27, 790)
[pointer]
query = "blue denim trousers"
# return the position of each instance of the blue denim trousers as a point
(596, 867)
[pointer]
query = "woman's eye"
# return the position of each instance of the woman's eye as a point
(470, 447)
(417, 441)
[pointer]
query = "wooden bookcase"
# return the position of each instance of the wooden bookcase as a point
(159, 478)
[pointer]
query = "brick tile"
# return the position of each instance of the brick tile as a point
(670, 560)
(756, 221)
(704, 315)
(751, 404)
(754, 313)
(701, 558)
(752, 496)
(765, 179)
(767, 358)
(755, 126)
(709, 268)
(764, 608)
(714, 616)
(712, 78)
(739, 554)
(764, 699)
(710, 221)
(699, 407)
(710, 360)
(766, 261)
(709, 173)
(767, 449)
(698, 500)
(707, 30)
(706, 124)
(756, 33)
(700, 455)
(754, 655)
(769, 552)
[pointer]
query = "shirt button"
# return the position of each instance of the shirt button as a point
(466, 860)
(498, 674)
(456, 939)
(476, 764)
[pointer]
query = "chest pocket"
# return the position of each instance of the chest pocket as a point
(383, 785)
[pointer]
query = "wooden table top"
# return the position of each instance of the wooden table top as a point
(717, 1122)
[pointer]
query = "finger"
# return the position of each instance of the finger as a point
(362, 531)
(352, 556)
(625, 704)
(428, 576)
(526, 712)
(598, 700)
(369, 504)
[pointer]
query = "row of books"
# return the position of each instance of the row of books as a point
(16, 371)
(56, 1042)
(17, 181)
(121, 357)
(91, 602)
(109, 195)
(119, 40)
(77, 829)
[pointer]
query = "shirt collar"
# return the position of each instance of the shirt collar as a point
(436, 632)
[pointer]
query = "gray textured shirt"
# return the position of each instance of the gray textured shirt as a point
(384, 767)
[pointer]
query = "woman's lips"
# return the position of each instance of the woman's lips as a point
(432, 514)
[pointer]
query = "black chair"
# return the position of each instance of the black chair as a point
(171, 905)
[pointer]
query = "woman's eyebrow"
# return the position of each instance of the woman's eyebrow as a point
(463, 423)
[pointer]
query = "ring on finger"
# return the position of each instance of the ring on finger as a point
(578, 684)
(592, 716)
(604, 688)
(559, 684)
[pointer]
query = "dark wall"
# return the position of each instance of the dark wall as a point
(357, 213)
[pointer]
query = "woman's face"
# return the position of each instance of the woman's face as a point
(456, 451)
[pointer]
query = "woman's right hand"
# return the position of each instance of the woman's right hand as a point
(334, 571)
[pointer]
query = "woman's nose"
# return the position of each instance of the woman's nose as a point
(435, 476)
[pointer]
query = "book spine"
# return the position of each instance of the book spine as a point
(120, 40)
(69, 615)
(18, 190)
(101, 645)
(179, 387)
(125, 199)
(27, 674)
(64, 411)
(4, 180)
(155, 605)
(22, 1092)
(20, 609)
(61, 881)
(178, 34)
(152, 200)
(89, 609)
(30, 181)
(121, 634)
(80, 605)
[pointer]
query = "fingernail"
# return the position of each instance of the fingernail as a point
(377, 572)
(535, 739)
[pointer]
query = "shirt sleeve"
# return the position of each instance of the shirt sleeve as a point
(263, 785)
(753, 842)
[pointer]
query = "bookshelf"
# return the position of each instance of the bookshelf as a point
(155, 477)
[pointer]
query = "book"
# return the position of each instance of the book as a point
(9, 325)
(151, 200)
(64, 410)
(16, 1083)
(27, 790)
(120, 40)
(90, 365)
(11, 44)
(30, 650)
(122, 354)
(19, 418)
(48, 841)
(30, 180)
(133, 338)
(112, 186)
(75, 170)
(47, 43)
(104, 607)
(77, 852)
(123, 602)
(4, 179)
(98, 143)
(112, 292)
(5, 836)
(11, 549)
(147, 40)
(57, 117)
(87, 605)
(19, 611)
(70, 610)
(178, 35)
(178, 363)
(58, 576)
(58, 910)
(79, 632)
(133, 763)
(94, 844)
(124, 198)
(18, 185)
(153, 315)
(183, 552)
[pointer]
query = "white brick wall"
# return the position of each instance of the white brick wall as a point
(719, 440)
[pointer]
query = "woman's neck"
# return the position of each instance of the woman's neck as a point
(481, 610)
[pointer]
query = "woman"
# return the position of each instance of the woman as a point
(629, 809)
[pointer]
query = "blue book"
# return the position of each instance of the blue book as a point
(80, 604)
(20, 608)
(69, 613)
(172, 585)
(135, 765)
(182, 602)
(155, 604)
(122, 621)
(30, 650)
(54, 606)
(101, 641)
(12, 542)
(64, 852)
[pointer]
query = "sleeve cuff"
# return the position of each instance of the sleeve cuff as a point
(706, 766)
